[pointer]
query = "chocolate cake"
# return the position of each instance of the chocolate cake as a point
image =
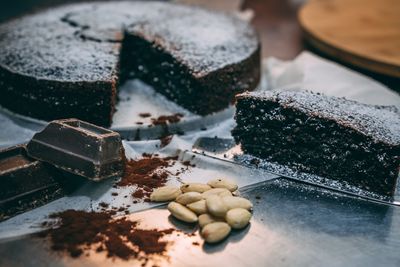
(68, 61)
(331, 137)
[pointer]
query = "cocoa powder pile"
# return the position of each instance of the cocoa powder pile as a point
(146, 174)
(78, 232)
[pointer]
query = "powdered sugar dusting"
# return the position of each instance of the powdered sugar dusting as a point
(42, 46)
(380, 123)
(202, 40)
(213, 40)
(82, 42)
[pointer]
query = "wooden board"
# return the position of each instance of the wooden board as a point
(364, 33)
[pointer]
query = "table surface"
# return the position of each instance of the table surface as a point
(293, 223)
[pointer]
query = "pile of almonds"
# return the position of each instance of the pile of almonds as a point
(212, 205)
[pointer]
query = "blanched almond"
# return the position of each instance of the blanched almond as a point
(165, 193)
(216, 206)
(182, 213)
(238, 218)
(237, 202)
(222, 192)
(206, 218)
(223, 183)
(215, 232)
(195, 187)
(189, 197)
(199, 207)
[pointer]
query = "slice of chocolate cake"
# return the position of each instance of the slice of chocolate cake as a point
(331, 137)
(68, 61)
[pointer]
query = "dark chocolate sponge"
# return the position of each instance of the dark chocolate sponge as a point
(68, 61)
(327, 136)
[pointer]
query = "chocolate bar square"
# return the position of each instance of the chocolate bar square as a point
(80, 148)
(25, 182)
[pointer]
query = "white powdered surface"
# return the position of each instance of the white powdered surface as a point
(136, 97)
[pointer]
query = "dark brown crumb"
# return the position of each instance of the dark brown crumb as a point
(188, 164)
(165, 141)
(255, 161)
(103, 205)
(145, 115)
(165, 119)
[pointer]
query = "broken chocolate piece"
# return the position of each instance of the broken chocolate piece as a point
(80, 148)
(25, 182)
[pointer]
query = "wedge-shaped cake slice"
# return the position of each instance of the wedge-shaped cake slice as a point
(328, 136)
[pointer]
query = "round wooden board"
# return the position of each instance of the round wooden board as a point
(364, 33)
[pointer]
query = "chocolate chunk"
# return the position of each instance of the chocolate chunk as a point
(80, 148)
(25, 182)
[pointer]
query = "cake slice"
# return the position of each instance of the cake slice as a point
(328, 136)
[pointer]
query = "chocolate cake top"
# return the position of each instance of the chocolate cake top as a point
(81, 42)
(380, 123)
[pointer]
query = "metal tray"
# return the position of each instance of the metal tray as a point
(294, 224)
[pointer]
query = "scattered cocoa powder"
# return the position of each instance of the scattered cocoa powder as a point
(165, 119)
(146, 174)
(79, 232)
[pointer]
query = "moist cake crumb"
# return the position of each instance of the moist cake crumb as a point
(331, 137)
